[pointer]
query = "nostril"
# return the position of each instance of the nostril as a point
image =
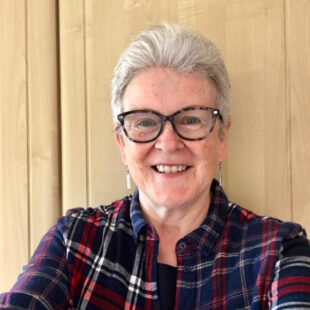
(169, 145)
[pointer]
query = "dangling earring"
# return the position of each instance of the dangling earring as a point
(128, 178)
(221, 179)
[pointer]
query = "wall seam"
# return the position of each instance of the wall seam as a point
(28, 131)
(86, 108)
(288, 104)
(58, 77)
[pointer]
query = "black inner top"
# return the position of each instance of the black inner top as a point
(166, 283)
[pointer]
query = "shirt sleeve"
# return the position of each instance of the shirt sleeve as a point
(291, 285)
(44, 281)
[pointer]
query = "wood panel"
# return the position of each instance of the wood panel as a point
(74, 134)
(44, 125)
(13, 143)
(298, 74)
(105, 167)
(258, 164)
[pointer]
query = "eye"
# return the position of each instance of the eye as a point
(145, 123)
(191, 120)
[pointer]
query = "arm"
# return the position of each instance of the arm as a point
(291, 285)
(44, 282)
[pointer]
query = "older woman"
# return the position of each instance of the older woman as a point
(177, 243)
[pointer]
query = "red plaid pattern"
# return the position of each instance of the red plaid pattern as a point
(105, 258)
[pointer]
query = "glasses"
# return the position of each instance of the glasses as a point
(194, 123)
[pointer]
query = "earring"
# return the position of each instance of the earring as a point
(128, 178)
(221, 179)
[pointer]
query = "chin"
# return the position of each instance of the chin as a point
(171, 200)
(167, 196)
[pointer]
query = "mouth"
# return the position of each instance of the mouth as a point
(170, 169)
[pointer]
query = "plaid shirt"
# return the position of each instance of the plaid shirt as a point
(105, 258)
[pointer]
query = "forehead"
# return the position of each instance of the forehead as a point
(167, 89)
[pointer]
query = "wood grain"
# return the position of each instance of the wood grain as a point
(298, 75)
(44, 123)
(74, 135)
(13, 143)
(258, 164)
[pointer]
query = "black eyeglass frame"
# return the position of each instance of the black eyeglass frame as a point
(163, 118)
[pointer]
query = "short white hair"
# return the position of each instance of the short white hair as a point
(172, 46)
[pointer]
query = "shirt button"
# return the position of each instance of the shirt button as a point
(182, 245)
(187, 269)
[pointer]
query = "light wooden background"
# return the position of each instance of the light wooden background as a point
(57, 149)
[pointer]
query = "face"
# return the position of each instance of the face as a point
(167, 91)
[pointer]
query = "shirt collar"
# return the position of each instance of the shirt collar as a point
(206, 234)
(137, 219)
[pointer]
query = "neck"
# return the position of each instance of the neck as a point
(173, 223)
(176, 221)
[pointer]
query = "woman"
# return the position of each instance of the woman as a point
(177, 243)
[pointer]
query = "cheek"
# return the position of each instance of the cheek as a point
(211, 149)
(209, 156)
(136, 154)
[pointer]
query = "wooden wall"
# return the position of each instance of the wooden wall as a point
(57, 149)
(29, 130)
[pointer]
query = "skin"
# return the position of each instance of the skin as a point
(175, 204)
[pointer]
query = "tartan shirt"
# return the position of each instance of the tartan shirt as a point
(106, 258)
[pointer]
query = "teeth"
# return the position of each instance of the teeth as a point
(170, 169)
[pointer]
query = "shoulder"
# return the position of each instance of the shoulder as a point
(262, 228)
(78, 221)
(260, 243)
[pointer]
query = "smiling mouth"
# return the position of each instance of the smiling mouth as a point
(170, 169)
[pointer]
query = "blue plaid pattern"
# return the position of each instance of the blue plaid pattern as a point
(105, 258)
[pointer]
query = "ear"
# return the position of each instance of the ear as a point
(121, 144)
(224, 143)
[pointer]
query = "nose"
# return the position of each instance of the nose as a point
(168, 140)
